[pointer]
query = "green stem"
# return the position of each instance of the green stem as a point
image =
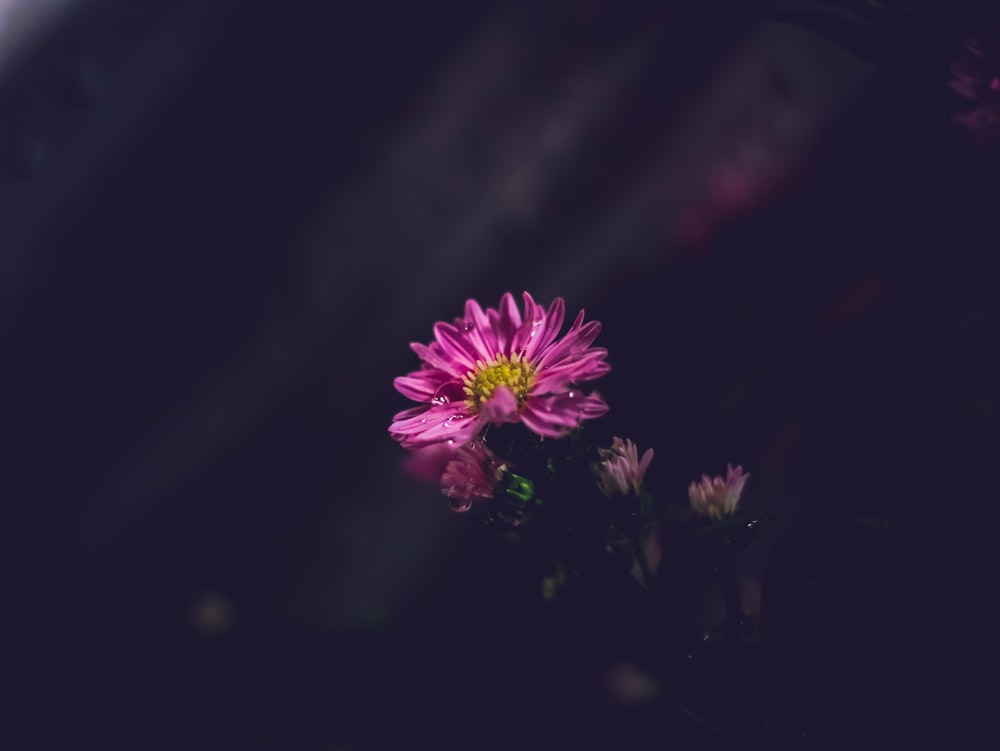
(640, 556)
(735, 620)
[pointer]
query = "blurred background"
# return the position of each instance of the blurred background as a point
(221, 224)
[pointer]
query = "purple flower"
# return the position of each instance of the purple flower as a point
(717, 498)
(621, 470)
(497, 366)
(471, 475)
(977, 78)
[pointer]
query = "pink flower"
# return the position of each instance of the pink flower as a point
(621, 470)
(427, 463)
(978, 78)
(471, 475)
(628, 685)
(494, 367)
(715, 497)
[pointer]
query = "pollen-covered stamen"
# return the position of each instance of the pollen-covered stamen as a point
(514, 372)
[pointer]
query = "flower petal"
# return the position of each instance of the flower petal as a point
(967, 69)
(966, 88)
(507, 322)
(426, 385)
(579, 337)
(558, 414)
(544, 334)
(589, 366)
(457, 347)
(983, 46)
(647, 457)
(480, 331)
(435, 358)
(438, 423)
(501, 407)
(534, 316)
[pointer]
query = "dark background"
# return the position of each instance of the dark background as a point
(221, 224)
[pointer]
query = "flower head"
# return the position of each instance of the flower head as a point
(471, 475)
(978, 78)
(621, 470)
(499, 366)
(715, 497)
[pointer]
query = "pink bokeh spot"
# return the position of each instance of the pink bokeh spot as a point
(977, 78)
(860, 296)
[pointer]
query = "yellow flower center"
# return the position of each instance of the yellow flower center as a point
(513, 372)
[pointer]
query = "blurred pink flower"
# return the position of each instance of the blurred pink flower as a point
(427, 463)
(494, 367)
(977, 78)
(715, 497)
(626, 684)
(860, 296)
(621, 470)
(471, 475)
